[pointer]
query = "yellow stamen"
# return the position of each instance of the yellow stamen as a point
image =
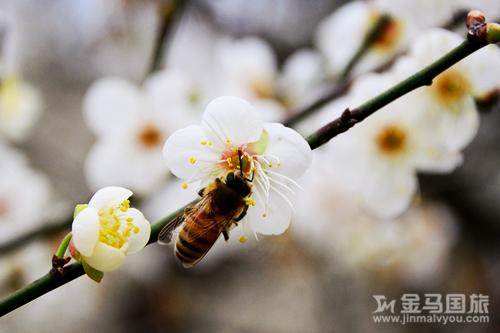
(192, 160)
(264, 215)
(125, 205)
(250, 201)
(184, 185)
(243, 239)
(203, 142)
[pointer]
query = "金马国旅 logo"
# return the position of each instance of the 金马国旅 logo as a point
(432, 308)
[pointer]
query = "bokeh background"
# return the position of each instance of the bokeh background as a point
(319, 276)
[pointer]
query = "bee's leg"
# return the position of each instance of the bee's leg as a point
(225, 233)
(200, 192)
(242, 215)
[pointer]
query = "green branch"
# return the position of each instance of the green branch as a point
(168, 12)
(474, 42)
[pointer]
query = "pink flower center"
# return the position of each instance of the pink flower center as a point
(236, 158)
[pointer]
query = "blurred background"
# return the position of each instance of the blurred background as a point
(319, 276)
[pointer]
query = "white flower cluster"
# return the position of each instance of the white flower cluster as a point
(424, 131)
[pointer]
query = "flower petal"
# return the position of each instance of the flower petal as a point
(290, 148)
(232, 118)
(389, 190)
(188, 153)
(273, 220)
(111, 103)
(109, 196)
(139, 240)
(123, 163)
(482, 78)
(85, 230)
(105, 258)
(21, 106)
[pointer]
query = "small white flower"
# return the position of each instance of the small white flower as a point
(273, 154)
(20, 108)
(449, 102)
(222, 65)
(107, 230)
(301, 77)
(381, 155)
(20, 102)
(341, 34)
(24, 195)
(131, 125)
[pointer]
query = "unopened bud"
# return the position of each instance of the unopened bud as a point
(475, 17)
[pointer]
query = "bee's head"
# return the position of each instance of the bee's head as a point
(238, 183)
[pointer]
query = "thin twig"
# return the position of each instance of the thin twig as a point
(169, 13)
(377, 30)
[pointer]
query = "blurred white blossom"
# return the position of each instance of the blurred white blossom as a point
(341, 34)
(24, 195)
(448, 103)
(20, 102)
(275, 155)
(381, 155)
(413, 248)
(107, 230)
(302, 77)
(131, 124)
(45, 314)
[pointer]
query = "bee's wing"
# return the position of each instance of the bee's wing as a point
(165, 235)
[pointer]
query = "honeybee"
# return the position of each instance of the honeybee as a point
(221, 206)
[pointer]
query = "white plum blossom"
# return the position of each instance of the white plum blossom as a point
(381, 155)
(20, 102)
(20, 108)
(448, 103)
(301, 78)
(413, 248)
(341, 34)
(107, 230)
(24, 195)
(273, 154)
(222, 65)
(131, 124)
(247, 68)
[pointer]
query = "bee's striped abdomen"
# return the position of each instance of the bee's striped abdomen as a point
(195, 239)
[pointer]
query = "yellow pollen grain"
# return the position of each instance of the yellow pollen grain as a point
(264, 215)
(209, 143)
(125, 205)
(203, 142)
(192, 160)
(243, 239)
(250, 201)
(129, 219)
(228, 141)
(184, 185)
